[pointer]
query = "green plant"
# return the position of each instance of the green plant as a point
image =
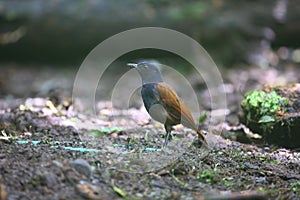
(227, 181)
(119, 191)
(209, 176)
(295, 186)
(101, 132)
(202, 117)
(262, 106)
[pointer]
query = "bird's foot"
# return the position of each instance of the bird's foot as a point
(197, 143)
(168, 137)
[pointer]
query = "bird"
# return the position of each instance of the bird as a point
(162, 102)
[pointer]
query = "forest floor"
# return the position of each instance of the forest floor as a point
(49, 150)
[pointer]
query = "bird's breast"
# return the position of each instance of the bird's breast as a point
(153, 103)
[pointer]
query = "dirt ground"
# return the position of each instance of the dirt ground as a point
(49, 150)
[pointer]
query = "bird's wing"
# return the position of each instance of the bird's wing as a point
(187, 119)
(178, 113)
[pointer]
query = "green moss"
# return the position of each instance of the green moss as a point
(263, 107)
(209, 176)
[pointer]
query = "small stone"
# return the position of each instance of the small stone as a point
(90, 191)
(290, 110)
(27, 133)
(250, 166)
(50, 179)
(57, 163)
(53, 132)
(296, 104)
(260, 179)
(82, 167)
(267, 149)
(35, 102)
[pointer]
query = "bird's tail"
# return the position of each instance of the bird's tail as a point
(202, 138)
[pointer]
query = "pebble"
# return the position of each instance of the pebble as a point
(36, 102)
(260, 179)
(57, 163)
(296, 104)
(290, 110)
(250, 166)
(89, 191)
(50, 179)
(82, 167)
(267, 149)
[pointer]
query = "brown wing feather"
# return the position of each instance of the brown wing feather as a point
(178, 112)
(170, 102)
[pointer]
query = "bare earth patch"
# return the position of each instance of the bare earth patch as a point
(45, 154)
(50, 151)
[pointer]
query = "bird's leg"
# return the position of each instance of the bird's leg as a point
(168, 134)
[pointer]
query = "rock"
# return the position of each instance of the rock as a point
(260, 180)
(296, 104)
(82, 167)
(250, 166)
(273, 113)
(35, 102)
(90, 191)
(50, 179)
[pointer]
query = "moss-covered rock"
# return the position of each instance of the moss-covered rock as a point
(274, 112)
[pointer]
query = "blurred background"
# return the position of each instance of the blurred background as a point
(42, 43)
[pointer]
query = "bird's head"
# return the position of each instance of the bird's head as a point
(149, 71)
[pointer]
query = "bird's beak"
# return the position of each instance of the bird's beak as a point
(133, 65)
